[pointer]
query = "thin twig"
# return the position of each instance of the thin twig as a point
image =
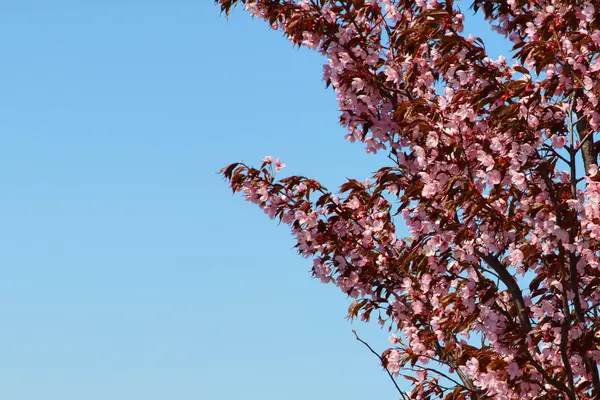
(441, 374)
(404, 395)
(555, 153)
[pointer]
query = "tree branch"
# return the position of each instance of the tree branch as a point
(513, 289)
(402, 393)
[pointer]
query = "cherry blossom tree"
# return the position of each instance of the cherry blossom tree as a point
(493, 169)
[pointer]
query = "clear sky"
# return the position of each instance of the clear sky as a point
(128, 270)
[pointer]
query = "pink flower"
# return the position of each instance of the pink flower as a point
(393, 361)
(418, 307)
(486, 160)
(495, 177)
(514, 371)
(358, 84)
(588, 11)
(421, 375)
(559, 141)
(518, 178)
(392, 75)
(516, 256)
(430, 189)
(432, 140)
(472, 367)
(278, 165)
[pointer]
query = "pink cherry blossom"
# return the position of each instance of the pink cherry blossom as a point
(278, 165)
(559, 141)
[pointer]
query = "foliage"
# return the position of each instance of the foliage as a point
(493, 169)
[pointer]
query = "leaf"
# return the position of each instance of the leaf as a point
(522, 70)
(355, 308)
(497, 365)
(352, 184)
(323, 199)
(228, 171)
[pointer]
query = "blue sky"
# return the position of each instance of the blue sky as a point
(129, 271)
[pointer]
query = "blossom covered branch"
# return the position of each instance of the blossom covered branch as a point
(494, 172)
